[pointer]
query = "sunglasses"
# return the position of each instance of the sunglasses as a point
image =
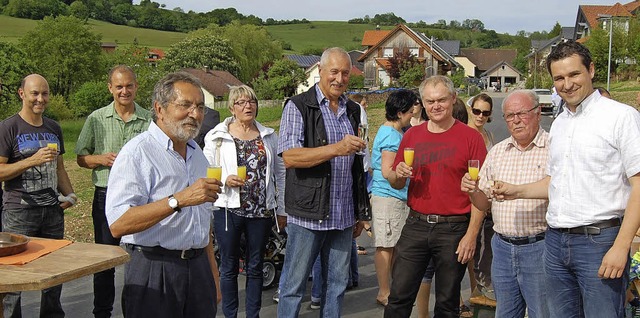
(477, 112)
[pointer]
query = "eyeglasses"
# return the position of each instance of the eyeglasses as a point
(477, 112)
(244, 103)
(520, 114)
(189, 107)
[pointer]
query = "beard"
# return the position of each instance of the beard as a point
(182, 129)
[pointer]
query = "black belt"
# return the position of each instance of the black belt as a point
(522, 240)
(435, 218)
(593, 229)
(182, 254)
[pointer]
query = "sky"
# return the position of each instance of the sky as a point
(503, 16)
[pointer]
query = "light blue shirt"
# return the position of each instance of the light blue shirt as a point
(387, 139)
(146, 170)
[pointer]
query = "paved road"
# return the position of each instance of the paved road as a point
(499, 127)
(77, 296)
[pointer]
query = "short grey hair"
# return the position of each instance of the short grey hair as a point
(324, 59)
(235, 92)
(435, 80)
(163, 91)
(533, 97)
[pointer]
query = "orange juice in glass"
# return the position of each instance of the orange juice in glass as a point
(474, 169)
(214, 172)
(53, 145)
(408, 157)
(242, 172)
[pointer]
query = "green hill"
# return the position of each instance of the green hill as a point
(11, 29)
(302, 38)
(321, 34)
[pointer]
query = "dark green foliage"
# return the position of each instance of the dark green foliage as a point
(35, 9)
(14, 66)
(280, 81)
(89, 97)
(65, 51)
(200, 51)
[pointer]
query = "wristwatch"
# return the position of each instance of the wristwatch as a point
(173, 203)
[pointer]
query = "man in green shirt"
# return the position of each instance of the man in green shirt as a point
(104, 133)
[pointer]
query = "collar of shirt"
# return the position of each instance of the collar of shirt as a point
(159, 135)
(324, 101)
(137, 112)
(538, 141)
(586, 105)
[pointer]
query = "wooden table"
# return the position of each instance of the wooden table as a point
(66, 264)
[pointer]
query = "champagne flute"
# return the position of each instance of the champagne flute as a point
(242, 172)
(408, 158)
(362, 133)
(474, 169)
(214, 172)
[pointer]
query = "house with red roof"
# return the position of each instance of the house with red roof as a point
(383, 44)
(591, 17)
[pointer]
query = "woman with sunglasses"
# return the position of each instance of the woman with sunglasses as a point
(481, 109)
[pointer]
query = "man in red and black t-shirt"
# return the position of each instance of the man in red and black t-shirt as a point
(440, 225)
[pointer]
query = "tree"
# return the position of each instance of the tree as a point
(473, 24)
(204, 50)
(65, 51)
(252, 46)
(598, 45)
(79, 10)
(557, 30)
(280, 80)
(405, 68)
(35, 9)
(136, 58)
(14, 65)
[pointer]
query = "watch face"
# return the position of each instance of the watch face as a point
(173, 203)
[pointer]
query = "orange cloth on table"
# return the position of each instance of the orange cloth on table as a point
(35, 249)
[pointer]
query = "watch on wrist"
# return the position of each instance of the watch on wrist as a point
(173, 203)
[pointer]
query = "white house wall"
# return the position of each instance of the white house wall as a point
(469, 68)
(313, 76)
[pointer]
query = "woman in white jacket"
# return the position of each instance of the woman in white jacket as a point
(246, 205)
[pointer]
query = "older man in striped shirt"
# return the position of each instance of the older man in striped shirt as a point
(517, 270)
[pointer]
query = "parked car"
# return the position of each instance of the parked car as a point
(544, 96)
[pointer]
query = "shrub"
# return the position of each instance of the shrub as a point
(89, 97)
(58, 108)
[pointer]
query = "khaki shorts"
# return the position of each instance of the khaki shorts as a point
(388, 216)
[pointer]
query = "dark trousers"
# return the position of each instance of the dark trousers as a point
(419, 243)
(104, 290)
(160, 286)
(484, 256)
(47, 222)
(228, 228)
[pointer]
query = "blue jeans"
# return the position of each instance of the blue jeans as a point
(303, 246)
(571, 267)
(47, 222)
(316, 281)
(518, 279)
(419, 243)
(255, 232)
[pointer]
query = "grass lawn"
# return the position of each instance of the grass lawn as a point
(13, 29)
(321, 34)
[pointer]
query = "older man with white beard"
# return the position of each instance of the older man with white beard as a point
(159, 204)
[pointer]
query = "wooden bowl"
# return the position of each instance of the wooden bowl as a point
(11, 244)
